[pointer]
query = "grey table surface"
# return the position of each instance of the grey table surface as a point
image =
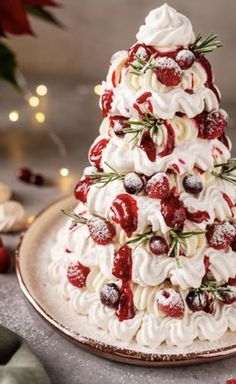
(72, 111)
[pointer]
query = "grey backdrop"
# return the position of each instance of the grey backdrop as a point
(97, 28)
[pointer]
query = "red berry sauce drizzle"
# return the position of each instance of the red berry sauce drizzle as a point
(229, 202)
(170, 143)
(125, 212)
(122, 269)
(106, 101)
(82, 189)
(95, 153)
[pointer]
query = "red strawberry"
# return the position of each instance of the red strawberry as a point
(125, 212)
(158, 245)
(219, 236)
(158, 186)
(125, 310)
(95, 153)
(215, 124)
(102, 231)
(106, 101)
(82, 189)
(4, 258)
(171, 303)
(140, 50)
(168, 71)
(122, 266)
(185, 58)
(173, 211)
(77, 274)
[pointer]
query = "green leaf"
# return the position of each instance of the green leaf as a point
(43, 14)
(8, 66)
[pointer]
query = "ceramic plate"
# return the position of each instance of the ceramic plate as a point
(32, 259)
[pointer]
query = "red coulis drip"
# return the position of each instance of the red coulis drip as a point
(228, 201)
(198, 216)
(82, 189)
(125, 213)
(114, 80)
(207, 263)
(209, 83)
(170, 143)
(122, 266)
(95, 153)
(200, 123)
(107, 99)
(125, 309)
(223, 139)
(141, 99)
(148, 146)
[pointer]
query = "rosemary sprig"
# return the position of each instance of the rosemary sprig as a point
(178, 242)
(202, 45)
(141, 66)
(76, 218)
(104, 178)
(227, 171)
(148, 123)
(211, 286)
(140, 239)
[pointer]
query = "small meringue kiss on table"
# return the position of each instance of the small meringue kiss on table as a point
(12, 217)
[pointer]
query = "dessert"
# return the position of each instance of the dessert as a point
(149, 253)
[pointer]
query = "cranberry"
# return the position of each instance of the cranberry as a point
(102, 231)
(170, 302)
(168, 71)
(4, 259)
(196, 300)
(185, 58)
(133, 183)
(158, 245)
(215, 124)
(82, 189)
(219, 236)
(228, 297)
(232, 281)
(158, 186)
(193, 184)
(37, 179)
(110, 295)
(77, 274)
(173, 211)
(24, 174)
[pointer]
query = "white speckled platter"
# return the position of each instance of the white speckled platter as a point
(32, 261)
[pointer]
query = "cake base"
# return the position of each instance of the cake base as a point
(32, 260)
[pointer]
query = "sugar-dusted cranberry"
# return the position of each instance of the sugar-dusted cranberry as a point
(122, 265)
(173, 211)
(171, 303)
(228, 296)
(106, 101)
(118, 124)
(168, 71)
(125, 213)
(141, 51)
(133, 183)
(158, 245)
(110, 295)
(185, 58)
(37, 179)
(215, 124)
(220, 236)
(196, 300)
(82, 189)
(77, 274)
(24, 174)
(193, 184)
(158, 186)
(102, 231)
(4, 258)
(96, 151)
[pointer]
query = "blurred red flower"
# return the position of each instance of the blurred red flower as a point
(13, 15)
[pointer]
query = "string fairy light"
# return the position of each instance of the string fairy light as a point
(41, 90)
(13, 116)
(64, 172)
(40, 117)
(34, 101)
(97, 89)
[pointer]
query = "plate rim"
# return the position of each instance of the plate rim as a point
(111, 352)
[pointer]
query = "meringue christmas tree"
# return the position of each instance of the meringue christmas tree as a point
(149, 252)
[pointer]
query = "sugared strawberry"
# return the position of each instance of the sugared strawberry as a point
(110, 295)
(95, 153)
(171, 303)
(77, 274)
(185, 58)
(4, 258)
(139, 50)
(193, 184)
(82, 189)
(122, 265)
(125, 213)
(133, 183)
(118, 124)
(173, 211)
(102, 231)
(158, 246)
(220, 236)
(215, 124)
(106, 101)
(168, 71)
(228, 295)
(158, 186)
(196, 300)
